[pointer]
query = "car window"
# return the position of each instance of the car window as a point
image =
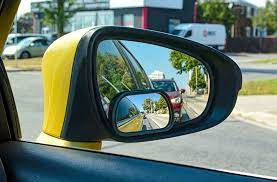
(39, 43)
(188, 34)
(140, 74)
(167, 86)
(246, 141)
(114, 74)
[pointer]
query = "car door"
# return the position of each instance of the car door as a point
(38, 47)
(28, 161)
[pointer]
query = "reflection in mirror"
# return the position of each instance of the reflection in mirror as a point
(142, 112)
(129, 66)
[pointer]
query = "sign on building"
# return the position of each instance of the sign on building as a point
(170, 4)
(157, 75)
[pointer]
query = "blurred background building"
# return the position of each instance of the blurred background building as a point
(161, 15)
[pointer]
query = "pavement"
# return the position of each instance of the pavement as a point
(158, 120)
(259, 110)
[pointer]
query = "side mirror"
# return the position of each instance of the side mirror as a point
(183, 91)
(32, 44)
(110, 71)
(138, 112)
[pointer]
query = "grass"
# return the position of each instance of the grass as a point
(24, 64)
(259, 87)
(273, 60)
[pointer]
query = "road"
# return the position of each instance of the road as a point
(253, 71)
(156, 121)
(232, 145)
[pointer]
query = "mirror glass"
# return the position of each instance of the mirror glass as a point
(142, 112)
(129, 66)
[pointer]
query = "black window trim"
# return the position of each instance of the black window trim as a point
(126, 60)
(122, 46)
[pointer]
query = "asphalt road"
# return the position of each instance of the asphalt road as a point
(232, 145)
(253, 71)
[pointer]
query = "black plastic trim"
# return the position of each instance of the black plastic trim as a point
(120, 96)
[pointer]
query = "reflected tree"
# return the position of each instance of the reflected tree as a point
(113, 75)
(161, 105)
(148, 105)
(184, 63)
(197, 80)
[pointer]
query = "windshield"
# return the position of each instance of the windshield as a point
(176, 32)
(168, 86)
(25, 42)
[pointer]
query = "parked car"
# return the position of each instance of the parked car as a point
(15, 38)
(27, 48)
(171, 88)
(213, 35)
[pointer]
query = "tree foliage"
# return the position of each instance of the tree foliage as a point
(183, 62)
(267, 17)
(25, 23)
(148, 104)
(58, 13)
(215, 11)
(197, 79)
(113, 75)
(161, 105)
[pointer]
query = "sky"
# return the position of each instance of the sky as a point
(25, 5)
(138, 100)
(156, 58)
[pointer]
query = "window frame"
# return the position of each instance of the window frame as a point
(123, 49)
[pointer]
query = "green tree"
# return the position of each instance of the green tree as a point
(183, 62)
(113, 75)
(25, 23)
(58, 14)
(267, 17)
(161, 105)
(216, 11)
(147, 105)
(197, 79)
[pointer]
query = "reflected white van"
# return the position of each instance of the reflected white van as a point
(213, 35)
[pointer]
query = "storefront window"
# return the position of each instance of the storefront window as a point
(92, 18)
(129, 20)
(172, 24)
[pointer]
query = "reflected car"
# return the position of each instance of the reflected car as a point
(27, 48)
(171, 88)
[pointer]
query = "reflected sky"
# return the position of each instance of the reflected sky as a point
(138, 100)
(155, 58)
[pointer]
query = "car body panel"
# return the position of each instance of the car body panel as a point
(47, 139)
(56, 80)
(34, 162)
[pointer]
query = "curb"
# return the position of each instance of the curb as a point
(261, 119)
(22, 70)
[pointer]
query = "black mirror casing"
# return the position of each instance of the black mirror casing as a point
(85, 101)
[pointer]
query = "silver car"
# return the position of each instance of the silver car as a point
(27, 48)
